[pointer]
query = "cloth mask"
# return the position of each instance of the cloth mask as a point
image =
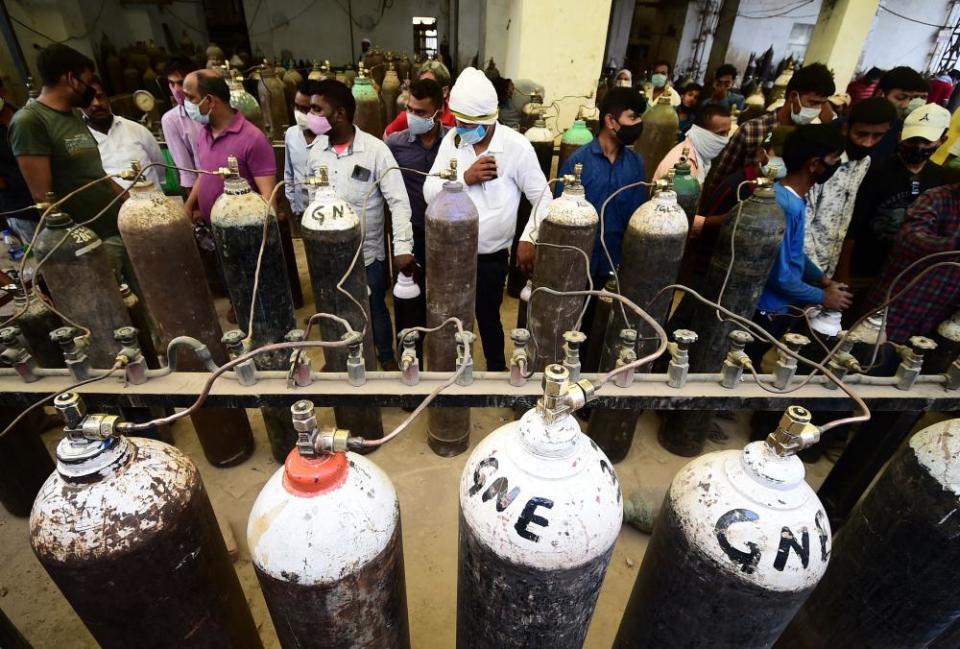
(178, 95)
(772, 161)
(827, 173)
(806, 115)
(857, 151)
(193, 112)
(658, 80)
(86, 97)
(913, 155)
(419, 125)
(470, 136)
(628, 134)
(301, 119)
(707, 144)
(319, 124)
(624, 83)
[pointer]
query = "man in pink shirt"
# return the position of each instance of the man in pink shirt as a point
(179, 131)
(704, 142)
(225, 132)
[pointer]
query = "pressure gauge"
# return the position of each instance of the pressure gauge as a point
(144, 100)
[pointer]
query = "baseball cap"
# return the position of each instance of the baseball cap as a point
(929, 122)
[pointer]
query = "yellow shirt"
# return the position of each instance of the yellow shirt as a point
(953, 134)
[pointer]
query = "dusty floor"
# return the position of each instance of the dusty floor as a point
(427, 488)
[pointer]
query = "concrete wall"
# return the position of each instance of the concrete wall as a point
(894, 41)
(497, 25)
(753, 34)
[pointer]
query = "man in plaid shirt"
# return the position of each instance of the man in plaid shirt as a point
(806, 94)
(931, 225)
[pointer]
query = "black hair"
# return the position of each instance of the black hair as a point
(211, 83)
(816, 78)
(874, 74)
(691, 85)
(502, 86)
(56, 60)
(665, 62)
(310, 87)
(338, 96)
(430, 89)
(97, 81)
(619, 99)
(875, 110)
(903, 78)
(808, 142)
(708, 112)
(726, 70)
(180, 64)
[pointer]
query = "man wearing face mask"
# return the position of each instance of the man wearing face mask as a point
(225, 132)
(298, 140)
(807, 91)
(356, 161)
(906, 90)
(435, 71)
(497, 165)
(830, 202)
(55, 150)
(704, 142)
(889, 189)
(121, 140)
(179, 131)
(659, 84)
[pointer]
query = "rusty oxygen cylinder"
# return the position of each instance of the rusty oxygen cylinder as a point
(331, 237)
(82, 284)
(892, 577)
(125, 529)
(237, 219)
(452, 233)
(570, 221)
(739, 544)
(160, 242)
(35, 323)
(660, 127)
(540, 511)
(325, 542)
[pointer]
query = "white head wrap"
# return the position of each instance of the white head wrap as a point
(473, 98)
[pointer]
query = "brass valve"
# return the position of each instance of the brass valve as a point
(794, 432)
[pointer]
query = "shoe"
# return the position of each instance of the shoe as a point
(390, 366)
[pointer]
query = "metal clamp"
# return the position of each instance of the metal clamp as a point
(520, 359)
(134, 365)
(356, 371)
(77, 361)
(85, 435)
(465, 341)
(16, 355)
(311, 439)
(912, 354)
(409, 363)
(246, 372)
(786, 367)
(571, 352)
(450, 173)
(843, 361)
(626, 356)
(679, 366)
(561, 396)
(300, 375)
(736, 360)
(794, 432)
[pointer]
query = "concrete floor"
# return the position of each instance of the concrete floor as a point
(427, 489)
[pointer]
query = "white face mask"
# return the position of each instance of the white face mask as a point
(777, 161)
(707, 144)
(806, 115)
(301, 119)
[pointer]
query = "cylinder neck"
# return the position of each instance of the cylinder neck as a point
(762, 463)
(556, 440)
(58, 221)
(80, 458)
(312, 476)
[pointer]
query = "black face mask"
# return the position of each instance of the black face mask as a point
(827, 173)
(86, 97)
(913, 155)
(627, 135)
(857, 151)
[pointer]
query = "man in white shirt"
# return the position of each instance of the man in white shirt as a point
(356, 161)
(298, 141)
(496, 164)
(121, 140)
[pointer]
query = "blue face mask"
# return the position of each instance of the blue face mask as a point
(658, 80)
(469, 136)
(419, 125)
(193, 112)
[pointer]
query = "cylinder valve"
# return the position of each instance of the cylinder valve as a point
(300, 370)
(794, 432)
(465, 341)
(844, 361)
(520, 359)
(571, 350)
(134, 365)
(627, 355)
(409, 363)
(912, 360)
(246, 371)
(73, 353)
(679, 365)
(16, 355)
(786, 367)
(736, 360)
(356, 372)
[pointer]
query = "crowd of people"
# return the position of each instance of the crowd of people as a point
(861, 196)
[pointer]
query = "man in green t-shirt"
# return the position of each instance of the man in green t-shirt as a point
(55, 150)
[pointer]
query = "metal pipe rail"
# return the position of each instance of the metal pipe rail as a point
(488, 390)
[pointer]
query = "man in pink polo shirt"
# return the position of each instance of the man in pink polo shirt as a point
(225, 132)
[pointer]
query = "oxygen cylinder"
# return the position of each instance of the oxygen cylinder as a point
(686, 186)
(739, 544)
(531, 112)
(603, 306)
(532, 561)
(331, 236)
(273, 102)
(368, 117)
(25, 463)
(660, 126)
(243, 101)
(542, 140)
(324, 538)
(780, 84)
(374, 64)
(82, 284)
(328, 72)
(947, 338)
(404, 67)
(389, 92)
(237, 220)
(492, 72)
(351, 75)
(125, 529)
(292, 77)
(316, 74)
(573, 138)
(759, 230)
(570, 221)
(160, 243)
(452, 227)
(892, 577)
(653, 247)
(35, 323)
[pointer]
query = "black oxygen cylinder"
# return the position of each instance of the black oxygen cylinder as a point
(82, 284)
(603, 307)
(541, 138)
(140, 319)
(25, 463)
(759, 231)
(453, 230)
(237, 219)
(892, 577)
(36, 323)
(10, 636)
(331, 235)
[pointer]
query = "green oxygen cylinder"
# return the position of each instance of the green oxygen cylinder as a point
(686, 186)
(573, 138)
(660, 126)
